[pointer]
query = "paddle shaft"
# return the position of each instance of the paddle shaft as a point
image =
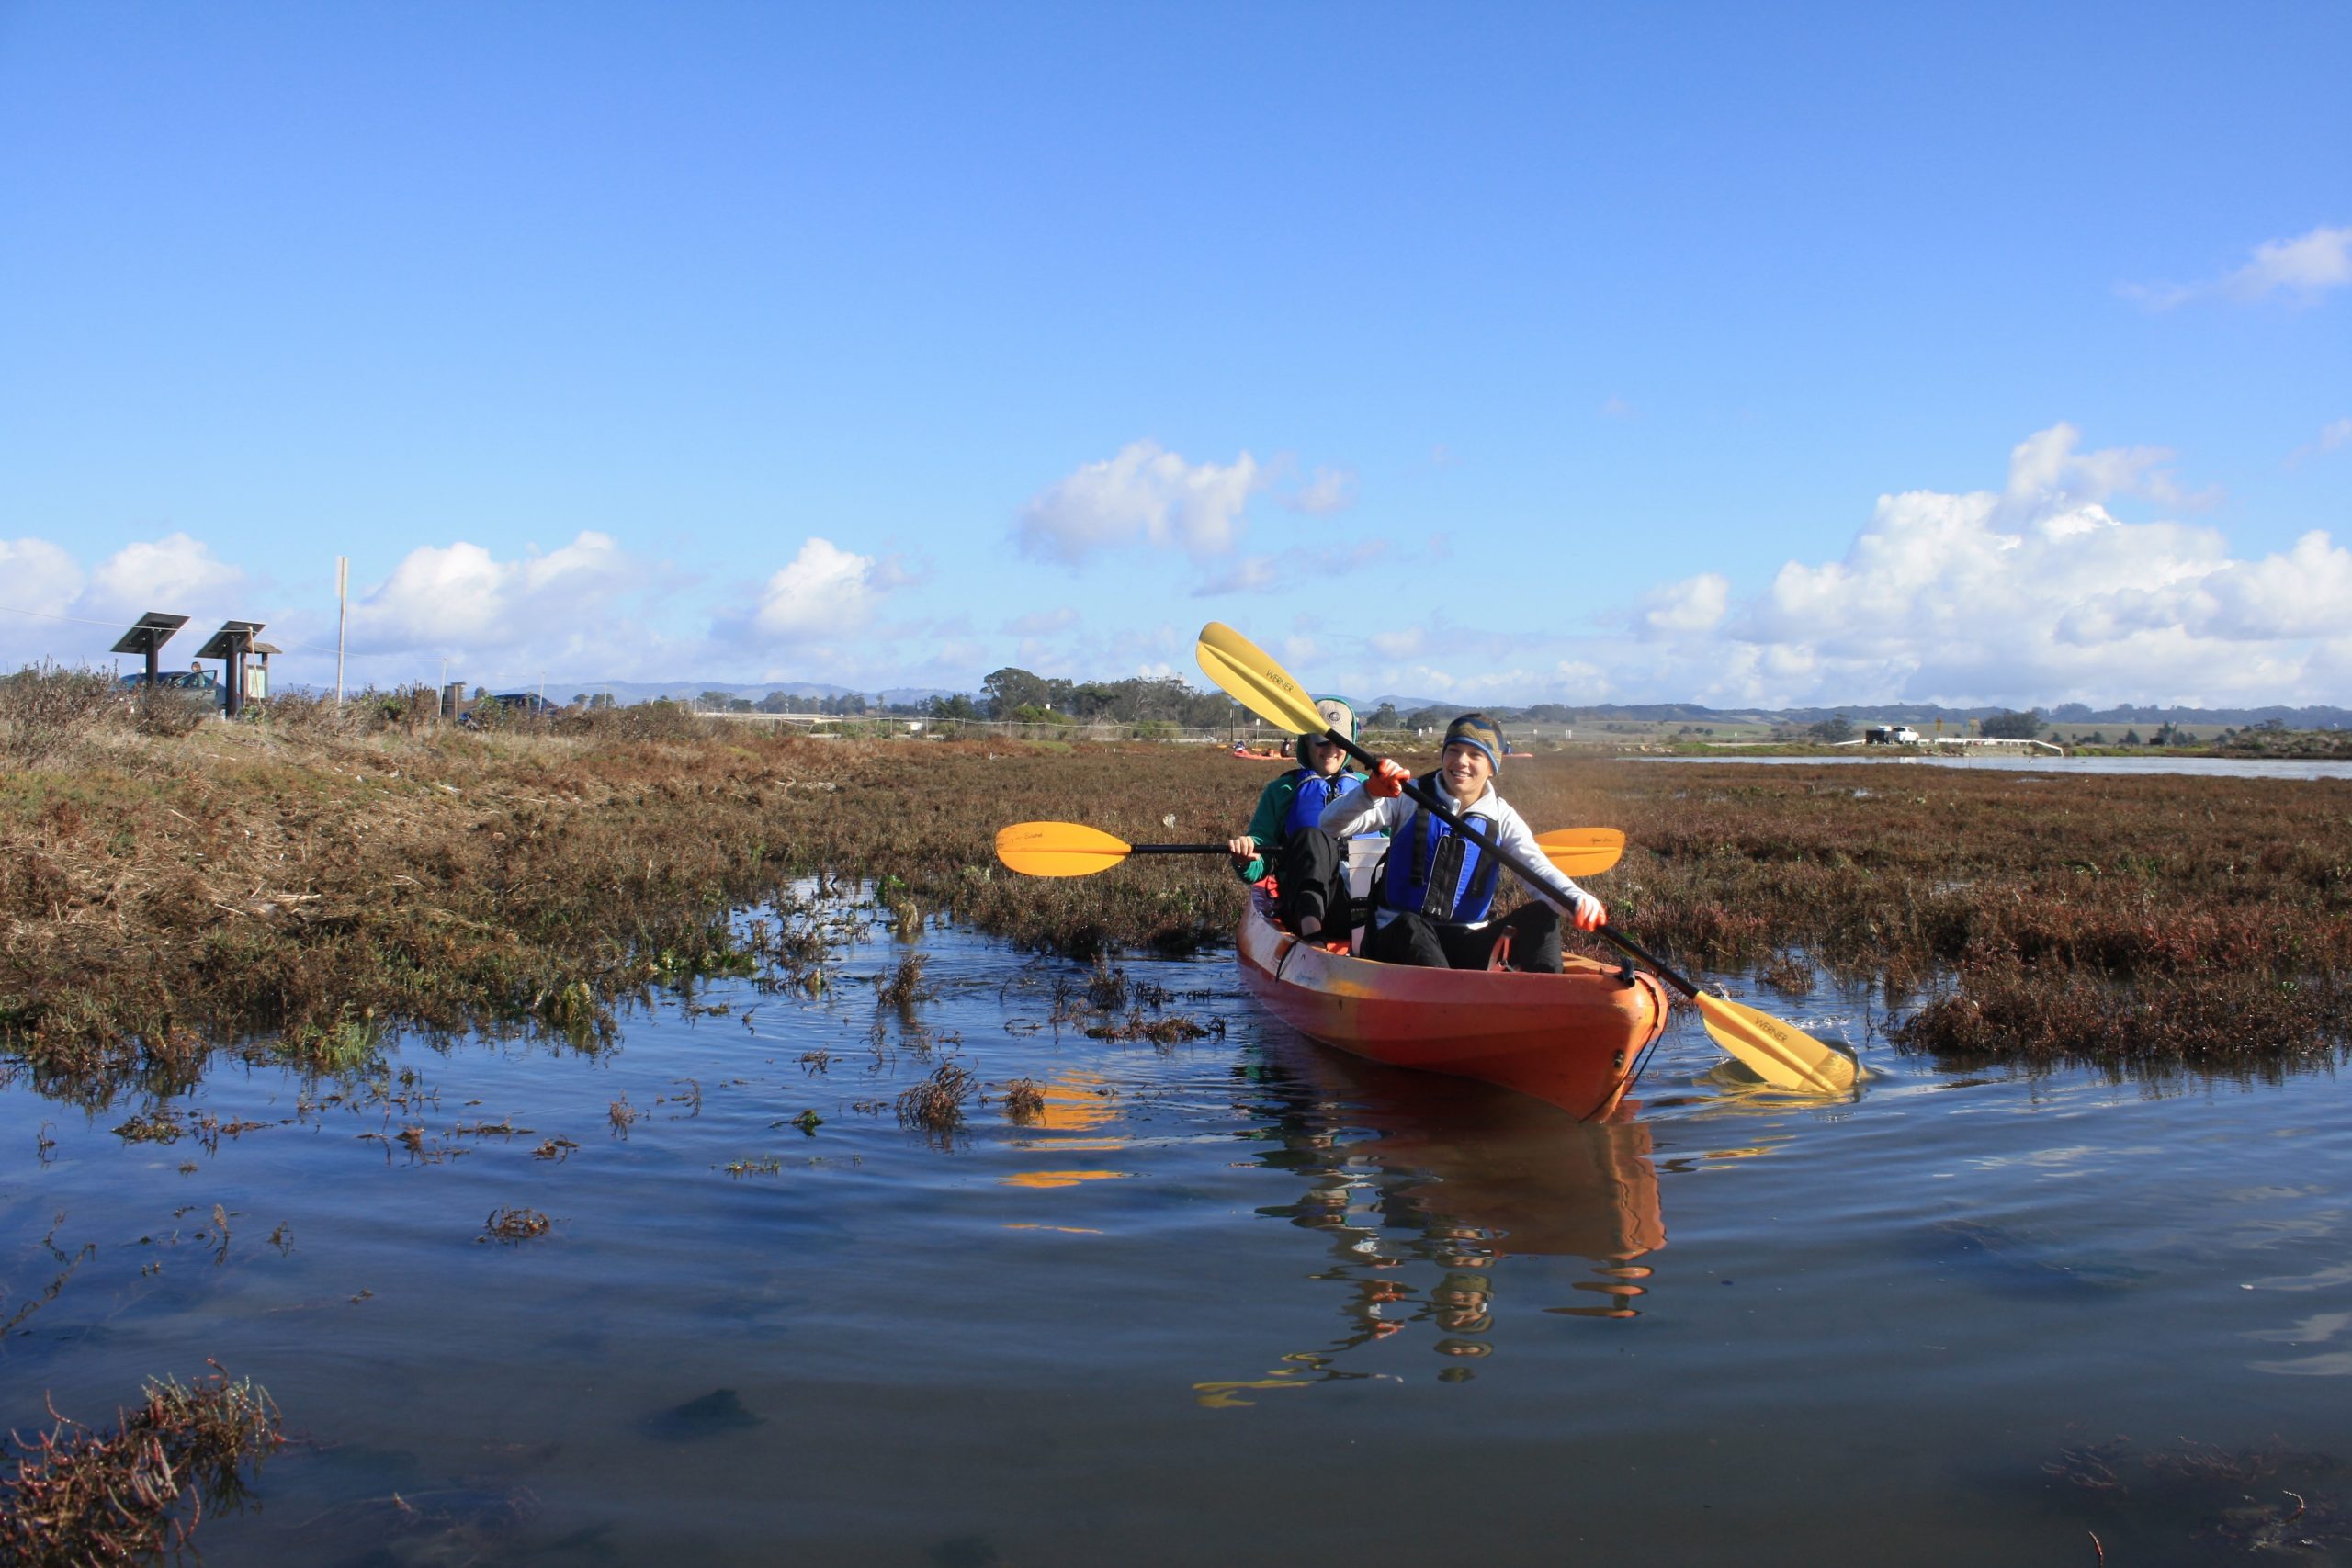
(1178, 850)
(1427, 800)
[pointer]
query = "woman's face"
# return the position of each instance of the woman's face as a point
(1325, 758)
(1466, 769)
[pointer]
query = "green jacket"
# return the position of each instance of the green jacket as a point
(1266, 822)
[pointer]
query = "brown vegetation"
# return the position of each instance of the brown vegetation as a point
(2288, 745)
(303, 882)
(936, 1104)
(82, 1496)
(515, 1224)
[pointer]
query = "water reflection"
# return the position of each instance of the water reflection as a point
(1426, 1186)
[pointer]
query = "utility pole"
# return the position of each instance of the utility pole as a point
(342, 618)
(441, 692)
(543, 691)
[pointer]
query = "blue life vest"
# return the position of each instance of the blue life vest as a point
(1315, 792)
(1433, 870)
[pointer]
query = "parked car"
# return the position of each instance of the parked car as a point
(203, 680)
(500, 705)
(1890, 735)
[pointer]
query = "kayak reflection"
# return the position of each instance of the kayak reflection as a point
(1427, 1187)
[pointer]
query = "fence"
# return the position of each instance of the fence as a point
(882, 725)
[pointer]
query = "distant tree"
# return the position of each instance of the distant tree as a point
(2023, 726)
(1010, 688)
(1835, 727)
(1384, 717)
(956, 706)
(2130, 737)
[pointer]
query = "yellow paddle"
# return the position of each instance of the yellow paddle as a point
(1071, 849)
(1779, 1053)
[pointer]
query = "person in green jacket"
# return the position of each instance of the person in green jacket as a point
(1309, 867)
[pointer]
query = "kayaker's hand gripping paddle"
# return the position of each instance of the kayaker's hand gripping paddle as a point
(1779, 1054)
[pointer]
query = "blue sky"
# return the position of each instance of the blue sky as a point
(1512, 354)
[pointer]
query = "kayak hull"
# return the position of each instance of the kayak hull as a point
(1571, 1038)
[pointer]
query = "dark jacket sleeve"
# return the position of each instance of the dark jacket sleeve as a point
(1266, 825)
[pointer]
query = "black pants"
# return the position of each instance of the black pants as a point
(1533, 927)
(1312, 872)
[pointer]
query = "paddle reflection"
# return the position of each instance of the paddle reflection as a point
(1426, 1186)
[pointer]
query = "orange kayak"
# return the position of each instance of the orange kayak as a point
(1571, 1038)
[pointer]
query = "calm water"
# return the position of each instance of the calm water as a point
(1239, 1300)
(2211, 767)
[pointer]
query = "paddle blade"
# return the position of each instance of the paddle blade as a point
(1250, 677)
(1581, 851)
(1057, 849)
(1781, 1054)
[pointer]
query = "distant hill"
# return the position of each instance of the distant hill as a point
(2318, 717)
(1902, 712)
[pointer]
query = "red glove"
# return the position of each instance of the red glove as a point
(1591, 914)
(1387, 780)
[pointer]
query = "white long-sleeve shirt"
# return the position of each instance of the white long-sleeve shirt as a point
(1361, 811)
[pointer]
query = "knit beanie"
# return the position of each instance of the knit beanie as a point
(1335, 713)
(1477, 729)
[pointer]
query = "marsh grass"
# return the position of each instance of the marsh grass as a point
(136, 1492)
(2240, 1503)
(935, 1105)
(47, 711)
(311, 881)
(515, 1225)
(904, 989)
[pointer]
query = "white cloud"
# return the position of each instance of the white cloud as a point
(1615, 407)
(459, 598)
(1300, 571)
(1146, 495)
(2047, 475)
(1043, 623)
(2303, 267)
(38, 583)
(2033, 593)
(1577, 680)
(38, 577)
(2335, 434)
(823, 592)
(155, 574)
(1326, 491)
(56, 610)
(1693, 604)
(2298, 270)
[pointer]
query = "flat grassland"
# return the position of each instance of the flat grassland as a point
(300, 883)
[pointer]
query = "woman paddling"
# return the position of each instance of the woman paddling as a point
(1437, 887)
(1310, 866)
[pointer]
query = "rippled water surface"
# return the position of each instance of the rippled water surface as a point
(1234, 1299)
(2207, 767)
